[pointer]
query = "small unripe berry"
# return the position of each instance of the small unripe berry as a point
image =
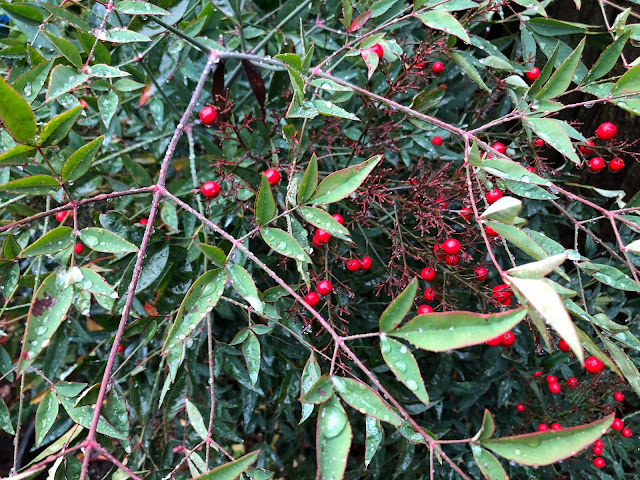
(493, 196)
(436, 141)
(626, 432)
(83, 103)
(78, 248)
(593, 365)
(325, 287)
(338, 218)
(208, 115)
(596, 164)
(606, 131)
(451, 246)
(618, 396)
(556, 426)
(533, 74)
(437, 68)
(554, 388)
(378, 50)
(520, 407)
(542, 427)
(211, 189)
(312, 298)
(617, 424)
(508, 339)
(585, 150)
(616, 164)
(354, 265)
(60, 216)
(143, 221)
(424, 309)
(564, 346)
(428, 274)
(598, 462)
(572, 382)
(480, 274)
(366, 263)
(429, 294)
(452, 260)
(499, 147)
(273, 176)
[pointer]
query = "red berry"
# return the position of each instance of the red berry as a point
(597, 451)
(542, 427)
(506, 302)
(322, 236)
(451, 246)
(316, 242)
(480, 274)
(378, 50)
(211, 189)
(617, 424)
(421, 65)
(533, 74)
(501, 292)
(619, 396)
(520, 407)
(78, 248)
(596, 164)
(593, 365)
(423, 309)
(499, 147)
(467, 213)
(616, 164)
(452, 260)
(83, 103)
(539, 142)
(120, 349)
(441, 203)
(354, 265)
(208, 115)
(598, 462)
(324, 287)
(338, 218)
(606, 131)
(586, 150)
(429, 294)
(312, 298)
(572, 382)
(564, 346)
(143, 221)
(551, 379)
(437, 250)
(436, 141)
(494, 342)
(491, 232)
(556, 426)
(626, 432)
(437, 68)
(493, 196)
(554, 388)
(428, 274)
(598, 444)
(537, 374)
(366, 263)
(60, 216)
(508, 339)
(273, 176)
(531, 169)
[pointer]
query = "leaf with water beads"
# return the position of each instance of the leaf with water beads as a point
(488, 464)
(396, 311)
(374, 437)
(243, 283)
(310, 376)
(320, 392)
(46, 415)
(231, 470)
(102, 240)
(333, 441)
(283, 243)
(364, 399)
(51, 242)
(403, 364)
(321, 219)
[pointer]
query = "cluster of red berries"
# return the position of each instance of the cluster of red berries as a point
(606, 132)
(212, 189)
(502, 293)
(544, 428)
(448, 250)
(505, 340)
(598, 445)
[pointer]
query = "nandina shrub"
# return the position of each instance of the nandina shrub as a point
(319, 240)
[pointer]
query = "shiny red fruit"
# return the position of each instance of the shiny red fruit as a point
(606, 131)
(322, 236)
(316, 242)
(520, 407)
(572, 382)
(437, 68)
(593, 365)
(211, 189)
(598, 444)
(618, 396)
(312, 298)
(423, 309)
(60, 216)
(506, 302)
(531, 169)
(273, 176)
(508, 339)
(586, 150)
(491, 232)
(539, 142)
(338, 218)
(429, 294)
(597, 451)
(442, 203)
(499, 147)
(78, 248)
(626, 432)
(324, 287)
(467, 213)
(537, 374)
(494, 342)
(436, 141)
(564, 346)
(551, 379)
(143, 221)
(617, 424)
(421, 65)
(208, 115)
(452, 260)
(598, 462)
(493, 196)
(354, 265)
(616, 164)
(542, 427)
(480, 274)
(501, 292)
(451, 246)
(556, 426)
(554, 388)
(83, 103)
(596, 164)
(366, 263)
(533, 74)
(428, 274)
(378, 50)
(437, 250)
(120, 349)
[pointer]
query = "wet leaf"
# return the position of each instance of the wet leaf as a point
(403, 364)
(107, 105)
(33, 185)
(45, 415)
(95, 284)
(80, 161)
(371, 60)
(325, 107)
(5, 418)
(242, 283)
(520, 239)
(626, 365)
(51, 242)
(398, 309)
(510, 170)
(333, 441)
(215, 254)
(488, 464)
(83, 416)
(18, 155)
(133, 7)
(102, 240)
(373, 439)
(505, 210)
(553, 133)
(310, 376)
(488, 427)
(538, 269)
(66, 48)
(609, 276)
(120, 35)
(231, 470)
(363, 398)
(58, 127)
(439, 332)
(607, 59)
(15, 113)
(169, 216)
(321, 219)
(251, 352)
(62, 80)
(343, 183)
(196, 420)
(284, 244)
(444, 21)
(265, 204)
(360, 21)
(309, 181)
(320, 391)
(470, 70)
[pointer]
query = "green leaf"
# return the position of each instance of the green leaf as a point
(265, 204)
(330, 109)
(108, 104)
(66, 48)
(374, 437)
(444, 21)
(132, 7)
(320, 391)
(5, 418)
(439, 332)
(51, 242)
(231, 470)
(67, 16)
(470, 70)
(291, 59)
(48, 310)
(58, 127)
(80, 161)
(607, 59)
(488, 464)
(64, 79)
(321, 219)
(121, 35)
(520, 239)
(629, 83)
(94, 283)
(333, 441)
(545, 73)
(30, 84)
(398, 309)
(18, 155)
(11, 249)
(545, 448)
(371, 60)
(609, 276)
(553, 132)
(33, 185)
(364, 399)
(46, 415)
(101, 70)
(242, 283)
(633, 246)
(344, 182)
(215, 254)
(199, 300)
(505, 210)
(251, 352)
(561, 79)
(626, 365)
(23, 13)
(510, 170)
(138, 174)
(195, 419)
(310, 375)
(309, 181)
(488, 427)
(15, 114)
(102, 240)
(169, 216)
(538, 269)
(544, 299)
(284, 244)
(403, 364)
